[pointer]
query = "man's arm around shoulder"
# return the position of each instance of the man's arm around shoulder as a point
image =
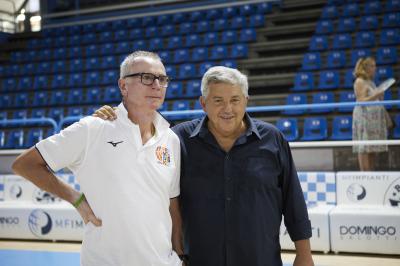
(303, 253)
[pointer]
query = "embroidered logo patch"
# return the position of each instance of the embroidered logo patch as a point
(163, 156)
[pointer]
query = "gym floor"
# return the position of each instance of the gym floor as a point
(40, 253)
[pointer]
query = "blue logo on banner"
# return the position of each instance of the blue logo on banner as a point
(39, 223)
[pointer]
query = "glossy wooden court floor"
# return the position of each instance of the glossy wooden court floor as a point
(36, 253)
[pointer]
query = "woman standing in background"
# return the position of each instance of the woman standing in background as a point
(369, 122)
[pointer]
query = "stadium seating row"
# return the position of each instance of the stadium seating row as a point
(349, 24)
(362, 39)
(339, 8)
(316, 128)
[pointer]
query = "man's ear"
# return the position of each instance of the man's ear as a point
(202, 101)
(122, 87)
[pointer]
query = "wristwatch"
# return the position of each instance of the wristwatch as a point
(184, 258)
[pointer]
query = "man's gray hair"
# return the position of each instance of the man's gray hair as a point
(222, 74)
(130, 60)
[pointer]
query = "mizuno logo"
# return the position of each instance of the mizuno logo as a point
(115, 143)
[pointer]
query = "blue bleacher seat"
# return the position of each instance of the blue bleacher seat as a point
(390, 37)
(93, 63)
(89, 38)
(238, 23)
(396, 129)
(365, 39)
(392, 5)
(178, 17)
(174, 90)
(165, 56)
(248, 35)
(342, 41)
(345, 97)
(40, 98)
(75, 96)
(75, 29)
(112, 95)
(372, 7)
(288, 126)
(6, 100)
(186, 28)
(38, 113)
(20, 114)
(212, 14)
(348, 79)
(228, 63)
(315, 128)
(295, 99)
(137, 45)
(192, 40)
(329, 12)
(247, 10)
(75, 80)
(383, 73)
(368, 23)
(74, 40)
(210, 38)
(58, 81)
(92, 78)
(121, 23)
(75, 65)
(40, 82)
(25, 83)
(181, 56)
(93, 95)
(391, 20)
(10, 84)
(219, 52)
(239, 51)
(15, 139)
(88, 28)
(60, 53)
(151, 32)
(155, 44)
(57, 98)
(163, 19)
(108, 62)
(27, 69)
(56, 113)
(203, 26)
(264, 7)
(195, 16)
(180, 105)
(322, 98)
(21, 100)
(2, 139)
(187, 71)
(257, 20)
(357, 54)
(220, 24)
(386, 55)
(193, 89)
(318, 43)
(324, 27)
(336, 59)
(43, 68)
(204, 67)
(75, 52)
(228, 36)
(350, 10)
(34, 136)
(342, 128)
(136, 33)
(346, 25)
(75, 111)
(3, 115)
(199, 54)
(303, 81)
(106, 36)
(171, 71)
(174, 42)
(124, 47)
(328, 79)
(59, 66)
(229, 12)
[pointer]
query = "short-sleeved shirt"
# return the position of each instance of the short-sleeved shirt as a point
(232, 202)
(127, 184)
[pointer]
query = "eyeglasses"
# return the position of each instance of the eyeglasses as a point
(148, 79)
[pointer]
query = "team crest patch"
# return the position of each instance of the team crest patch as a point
(163, 156)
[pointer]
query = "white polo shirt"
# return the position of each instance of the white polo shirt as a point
(127, 184)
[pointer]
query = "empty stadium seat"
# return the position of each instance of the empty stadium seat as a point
(204, 67)
(383, 73)
(392, 5)
(38, 113)
(322, 98)
(199, 54)
(295, 99)
(342, 41)
(192, 40)
(324, 27)
(174, 42)
(345, 97)
(3, 115)
(238, 23)
(288, 126)
(303, 81)
(75, 111)
(248, 35)
(2, 139)
(56, 113)
(181, 56)
(15, 139)
(372, 7)
(21, 100)
(40, 98)
(239, 51)
(386, 55)
(112, 95)
(203, 26)
(368, 23)
(357, 54)
(110, 77)
(318, 43)
(210, 38)
(180, 105)
(228, 36)
(93, 95)
(390, 37)
(219, 52)
(348, 79)
(171, 71)
(40, 82)
(328, 80)
(329, 12)
(342, 128)
(186, 28)
(336, 59)
(257, 20)
(58, 81)
(75, 96)
(187, 71)
(315, 128)
(391, 20)
(34, 135)
(193, 88)
(174, 90)
(20, 114)
(346, 25)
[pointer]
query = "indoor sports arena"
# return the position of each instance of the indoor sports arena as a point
(246, 103)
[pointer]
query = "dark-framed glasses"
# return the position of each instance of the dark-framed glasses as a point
(148, 78)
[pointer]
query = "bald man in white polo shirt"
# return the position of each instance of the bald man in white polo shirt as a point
(128, 170)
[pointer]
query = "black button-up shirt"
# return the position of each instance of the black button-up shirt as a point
(232, 203)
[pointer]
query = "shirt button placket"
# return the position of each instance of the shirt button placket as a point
(228, 206)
